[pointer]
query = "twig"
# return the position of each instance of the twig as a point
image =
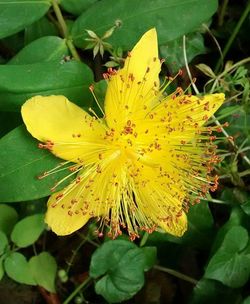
(77, 290)
(177, 274)
(234, 34)
(64, 30)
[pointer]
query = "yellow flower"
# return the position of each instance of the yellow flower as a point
(140, 165)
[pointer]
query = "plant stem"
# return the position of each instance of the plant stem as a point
(83, 241)
(222, 12)
(60, 18)
(77, 290)
(177, 274)
(73, 50)
(233, 35)
(64, 30)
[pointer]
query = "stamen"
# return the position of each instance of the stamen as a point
(91, 88)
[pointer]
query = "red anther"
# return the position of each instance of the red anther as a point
(60, 195)
(105, 75)
(212, 138)
(206, 106)
(180, 72)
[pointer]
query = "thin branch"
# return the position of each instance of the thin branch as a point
(176, 274)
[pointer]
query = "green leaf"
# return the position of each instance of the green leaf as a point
(43, 268)
(21, 161)
(8, 218)
(200, 226)
(173, 50)
(44, 49)
(20, 82)
(230, 265)
(42, 27)
(3, 242)
(76, 7)
(246, 300)
(16, 15)
(17, 268)
(210, 291)
(150, 254)
(121, 265)
(28, 230)
(1, 268)
(235, 219)
(246, 207)
(172, 19)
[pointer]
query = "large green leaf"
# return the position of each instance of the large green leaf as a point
(20, 82)
(76, 7)
(172, 52)
(172, 19)
(27, 231)
(231, 265)
(18, 269)
(120, 264)
(16, 14)
(210, 291)
(43, 268)
(41, 28)
(50, 48)
(21, 161)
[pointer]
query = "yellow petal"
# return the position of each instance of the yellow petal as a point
(132, 90)
(159, 195)
(92, 194)
(73, 132)
(60, 218)
(181, 117)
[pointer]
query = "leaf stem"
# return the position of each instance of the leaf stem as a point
(64, 30)
(176, 274)
(222, 12)
(77, 290)
(75, 251)
(234, 34)
(60, 18)
(73, 49)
